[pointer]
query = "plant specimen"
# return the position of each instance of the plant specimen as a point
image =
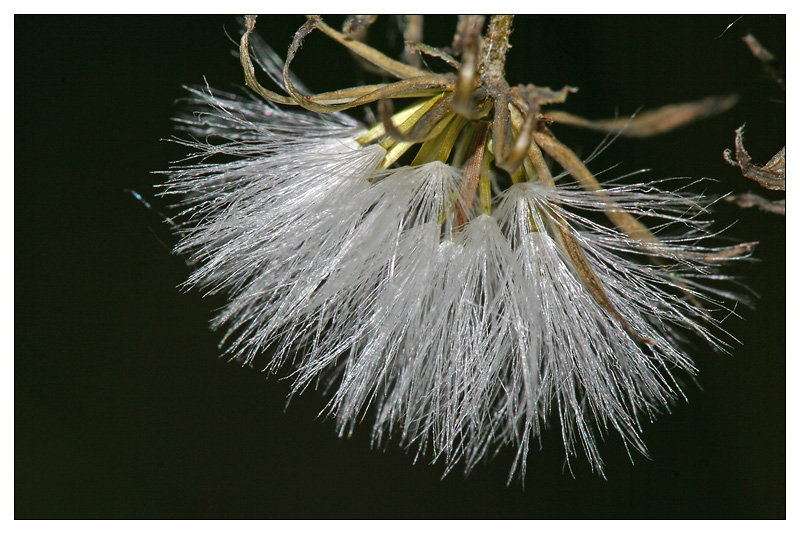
(430, 268)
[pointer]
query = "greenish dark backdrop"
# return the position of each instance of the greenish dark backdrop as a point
(122, 406)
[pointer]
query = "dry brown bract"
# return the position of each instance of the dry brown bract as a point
(773, 174)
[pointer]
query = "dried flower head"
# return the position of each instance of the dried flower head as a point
(468, 296)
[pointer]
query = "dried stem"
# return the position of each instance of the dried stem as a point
(496, 46)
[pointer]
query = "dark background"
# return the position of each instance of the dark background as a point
(122, 406)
